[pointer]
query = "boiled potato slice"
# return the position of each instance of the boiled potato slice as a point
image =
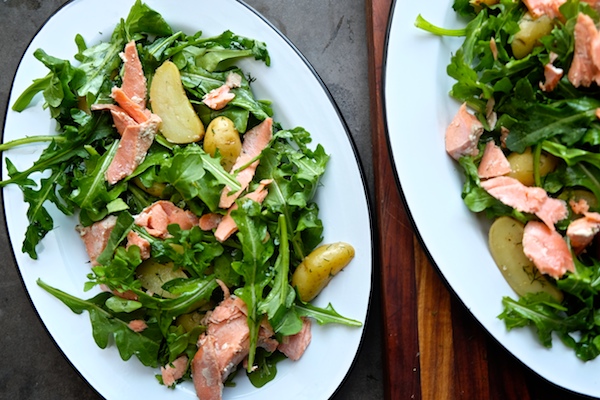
(521, 165)
(180, 123)
(530, 32)
(319, 267)
(505, 241)
(153, 275)
(221, 135)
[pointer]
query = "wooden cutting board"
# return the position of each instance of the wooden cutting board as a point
(434, 348)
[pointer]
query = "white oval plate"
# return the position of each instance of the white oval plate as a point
(299, 99)
(418, 110)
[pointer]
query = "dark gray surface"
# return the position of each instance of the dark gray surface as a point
(332, 36)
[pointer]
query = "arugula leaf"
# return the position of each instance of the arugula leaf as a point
(326, 315)
(106, 324)
(257, 249)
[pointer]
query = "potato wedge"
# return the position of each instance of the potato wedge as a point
(530, 32)
(153, 275)
(505, 241)
(221, 135)
(180, 123)
(319, 267)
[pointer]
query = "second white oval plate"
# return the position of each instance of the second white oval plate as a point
(418, 110)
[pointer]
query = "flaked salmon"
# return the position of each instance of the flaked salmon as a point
(137, 325)
(134, 81)
(158, 216)
(173, 371)
(533, 200)
(210, 221)
(133, 239)
(134, 145)
(133, 109)
(218, 98)
(227, 225)
(582, 231)
(294, 346)
(585, 67)
(537, 8)
(547, 249)
(462, 135)
(580, 206)
(121, 119)
(224, 345)
(95, 237)
(552, 76)
(255, 141)
(493, 162)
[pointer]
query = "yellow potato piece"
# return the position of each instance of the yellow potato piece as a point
(531, 31)
(180, 123)
(505, 241)
(152, 275)
(221, 135)
(521, 165)
(319, 267)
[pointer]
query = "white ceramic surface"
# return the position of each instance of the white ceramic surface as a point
(418, 109)
(299, 99)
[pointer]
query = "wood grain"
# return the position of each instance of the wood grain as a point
(434, 348)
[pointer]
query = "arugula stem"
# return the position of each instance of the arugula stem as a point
(31, 139)
(422, 23)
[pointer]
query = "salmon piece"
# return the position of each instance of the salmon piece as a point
(294, 346)
(598, 113)
(547, 250)
(206, 375)
(227, 225)
(121, 119)
(137, 325)
(503, 136)
(134, 81)
(95, 237)
(552, 76)
(134, 145)
(209, 221)
(580, 206)
(584, 68)
(133, 239)
(493, 163)
(581, 231)
(218, 98)
(255, 141)
(224, 345)
(174, 370)
(533, 200)
(158, 216)
(537, 8)
(132, 108)
(463, 134)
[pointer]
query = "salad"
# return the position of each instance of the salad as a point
(189, 230)
(526, 137)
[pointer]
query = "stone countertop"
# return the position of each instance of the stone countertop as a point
(332, 36)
